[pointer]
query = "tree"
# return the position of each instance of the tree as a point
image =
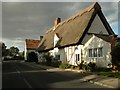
(116, 57)
(4, 50)
(14, 51)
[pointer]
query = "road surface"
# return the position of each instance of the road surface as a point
(19, 74)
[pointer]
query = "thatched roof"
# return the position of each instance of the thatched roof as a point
(73, 30)
(47, 42)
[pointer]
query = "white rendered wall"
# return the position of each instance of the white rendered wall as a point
(96, 42)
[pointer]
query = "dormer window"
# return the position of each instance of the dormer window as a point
(56, 39)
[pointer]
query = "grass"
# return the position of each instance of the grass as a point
(110, 74)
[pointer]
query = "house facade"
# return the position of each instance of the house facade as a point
(85, 36)
(31, 46)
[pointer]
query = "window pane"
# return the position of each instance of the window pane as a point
(90, 52)
(77, 57)
(100, 52)
(57, 57)
(95, 52)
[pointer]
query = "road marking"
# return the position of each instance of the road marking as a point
(18, 72)
(27, 83)
(10, 73)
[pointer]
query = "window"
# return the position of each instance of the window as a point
(95, 52)
(100, 52)
(77, 57)
(90, 52)
(57, 57)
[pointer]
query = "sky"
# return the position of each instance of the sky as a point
(30, 20)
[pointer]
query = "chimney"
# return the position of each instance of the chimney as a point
(56, 22)
(113, 39)
(41, 37)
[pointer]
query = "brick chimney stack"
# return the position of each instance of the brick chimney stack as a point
(41, 37)
(56, 22)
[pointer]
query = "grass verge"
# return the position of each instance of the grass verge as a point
(110, 74)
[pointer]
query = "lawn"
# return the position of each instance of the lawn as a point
(110, 74)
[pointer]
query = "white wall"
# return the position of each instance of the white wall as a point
(90, 41)
(71, 52)
(62, 54)
(96, 42)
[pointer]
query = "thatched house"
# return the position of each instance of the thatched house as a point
(83, 37)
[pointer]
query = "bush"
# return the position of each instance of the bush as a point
(32, 57)
(83, 65)
(48, 58)
(102, 69)
(64, 66)
(92, 66)
(55, 63)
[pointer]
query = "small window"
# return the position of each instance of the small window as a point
(57, 57)
(77, 57)
(100, 54)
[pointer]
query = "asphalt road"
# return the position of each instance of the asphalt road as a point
(18, 74)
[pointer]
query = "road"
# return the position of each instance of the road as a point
(19, 74)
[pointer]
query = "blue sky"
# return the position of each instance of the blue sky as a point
(29, 20)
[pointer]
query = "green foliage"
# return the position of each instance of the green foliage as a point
(48, 58)
(102, 69)
(32, 57)
(116, 55)
(110, 74)
(14, 51)
(83, 65)
(4, 50)
(64, 66)
(92, 66)
(56, 63)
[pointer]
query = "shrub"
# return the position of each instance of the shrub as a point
(32, 57)
(83, 65)
(64, 65)
(92, 66)
(48, 58)
(55, 63)
(102, 69)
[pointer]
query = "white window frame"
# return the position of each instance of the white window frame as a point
(95, 52)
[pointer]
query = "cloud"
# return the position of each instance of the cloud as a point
(110, 10)
(33, 19)
(60, 1)
(0, 21)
